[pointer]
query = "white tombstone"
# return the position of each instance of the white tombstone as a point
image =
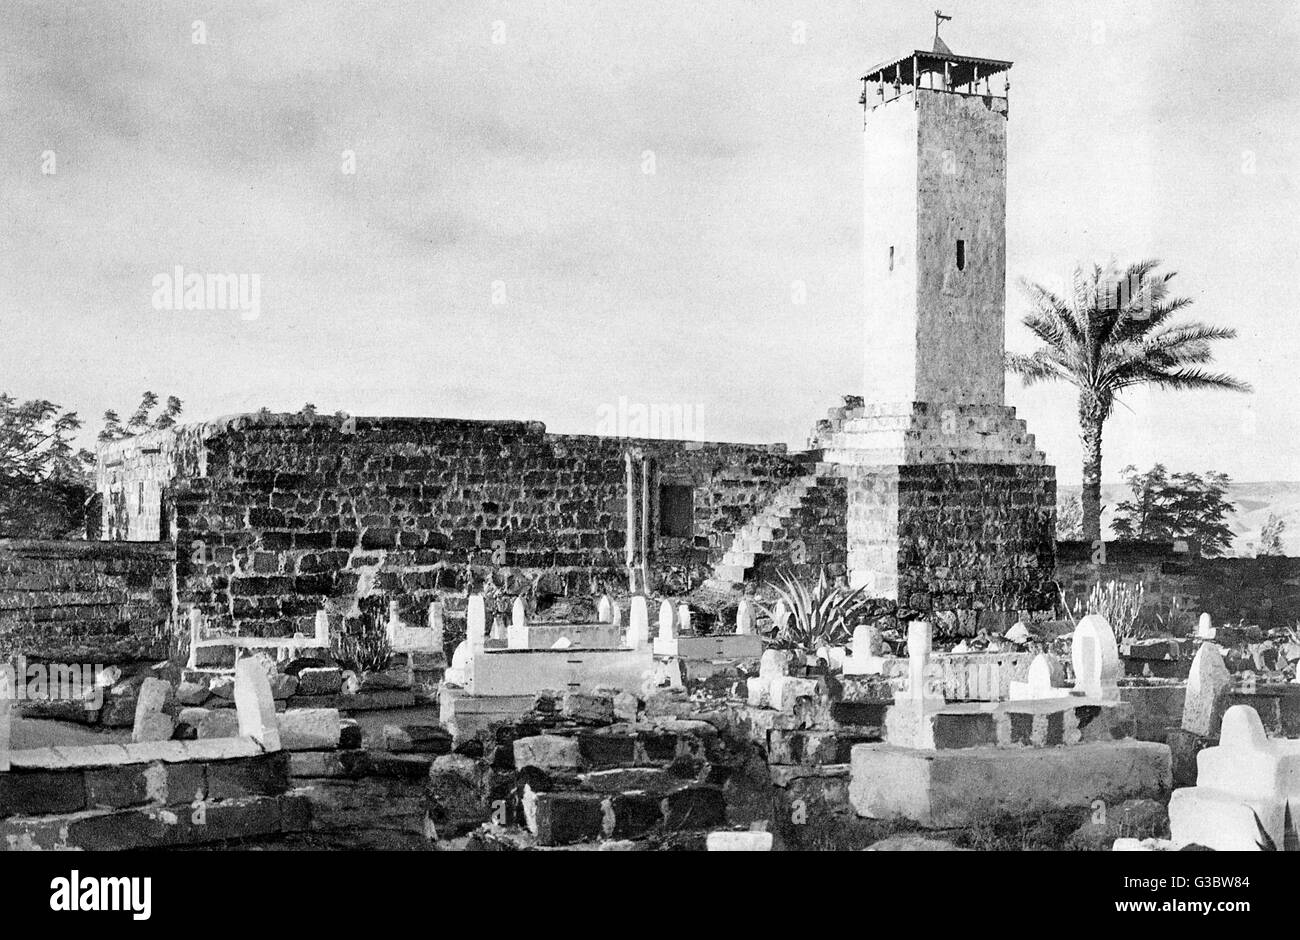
(865, 659)
(744, 617)
(774, 663)
(458, 672)
(683, 619)
(1019, 633)
(322, 628)
(436, 611)
(1095, 657)
(1038, 683)
(666, 621)
(255, 705)
(605, 609)
(919, 645)
(476, 623)
(517, 635)
(1208, 681)
(616, 615)
(5, 726)
(1205, 627)
(394, 625)
(638, 631)
(1247, 777)
(781, 616)
(498, 628)
(196, 634)
(151, 724)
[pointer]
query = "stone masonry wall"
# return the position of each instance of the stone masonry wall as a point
(960, 537)
(280, 514)
(1178, 586)
(84, 601)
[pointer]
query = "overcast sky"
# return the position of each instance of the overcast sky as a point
(501, 154)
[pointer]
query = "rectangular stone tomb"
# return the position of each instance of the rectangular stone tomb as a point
(544, 636)
(465, 715)
(1247, 777)
(526, 671)
(948, 789)
(725, 646)
(967, 677)
(1031, 723)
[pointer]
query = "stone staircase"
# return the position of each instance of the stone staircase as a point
(766, 533)
(920, 433)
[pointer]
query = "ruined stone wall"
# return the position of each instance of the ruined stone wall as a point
(281, 513)
(954, 538)
(84, 601)
(1178, 586)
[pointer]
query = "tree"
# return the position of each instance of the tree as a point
(142, 419)
(1069, 519)
(1109, 335)
(1270, 537)
(1168, 506)
(44, 478)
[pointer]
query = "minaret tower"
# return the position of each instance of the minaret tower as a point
(951, 506)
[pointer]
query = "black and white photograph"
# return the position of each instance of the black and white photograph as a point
(753, 426)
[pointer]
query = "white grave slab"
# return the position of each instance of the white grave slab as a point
(638, 631)
(1038, 683)
(1208, 682)
(1095, 657)
(255, 705)
(865, 658)
(744, 617)
(1247, 775)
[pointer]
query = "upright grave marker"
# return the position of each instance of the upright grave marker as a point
(1095, 657)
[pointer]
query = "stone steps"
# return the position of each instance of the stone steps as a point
(760, 535)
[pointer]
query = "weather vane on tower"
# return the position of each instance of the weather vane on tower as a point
(939, 44)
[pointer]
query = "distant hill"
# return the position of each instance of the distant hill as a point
(1254, 502)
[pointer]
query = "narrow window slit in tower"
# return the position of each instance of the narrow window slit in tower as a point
(961, 254)
(891, 257)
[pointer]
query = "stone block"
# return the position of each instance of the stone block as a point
(601, 750)
(587, 707)
(548, 752)
(192, 693)
(955, 788)
(219, 723)
(152, 727)
(265, 775)
(309, 729)
(745, 841)
(695, 807)
(785, 691)
(633, 814)
(422, 739)
(566, 818)
(458, 795)
(812, 748)
(38, 793)
(140, 784)
(618, 780)
(322, 680)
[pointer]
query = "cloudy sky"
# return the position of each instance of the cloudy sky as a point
(558, 205)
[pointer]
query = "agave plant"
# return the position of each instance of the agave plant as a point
(821, 616)
(368, 650)
(1290, 839)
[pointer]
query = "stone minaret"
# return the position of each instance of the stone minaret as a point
(951, 506)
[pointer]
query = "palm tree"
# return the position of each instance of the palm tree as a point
(1113, 334)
